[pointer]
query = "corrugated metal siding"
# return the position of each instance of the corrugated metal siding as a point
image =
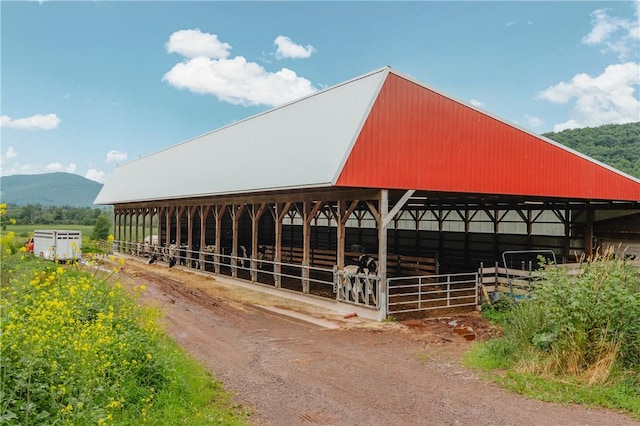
(415, 138)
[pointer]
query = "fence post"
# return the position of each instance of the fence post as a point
(305, 278)
(276, 273)
(479, 282)
(477, 296)
(254, 271)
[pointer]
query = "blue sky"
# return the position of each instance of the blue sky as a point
(86, 86)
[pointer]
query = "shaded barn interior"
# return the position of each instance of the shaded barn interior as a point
(461, 235)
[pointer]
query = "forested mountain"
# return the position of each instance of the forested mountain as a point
(49, 189)
(617, 145)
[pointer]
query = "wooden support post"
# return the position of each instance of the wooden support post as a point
(130, 230)
(565, 218)
(152, 212)
(136, 235)
(179, 211)
(308, 214)
(382, 252)
(340, 234)
(204, 211)
(167, 220)
(160, 212)
(144, 226)
(306, 244)
(256, 214)
(280, 212)
(236, 213)
(588, 232)
(117, 220)
(219, 213)
(191, 211)
(529, 228)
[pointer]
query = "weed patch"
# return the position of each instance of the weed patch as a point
(78, 349)
(576, 340)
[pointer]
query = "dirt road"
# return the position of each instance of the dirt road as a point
(293, 372)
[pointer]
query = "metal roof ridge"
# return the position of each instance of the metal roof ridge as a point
(386, 70)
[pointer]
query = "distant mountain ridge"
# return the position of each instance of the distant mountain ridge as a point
(49, 189)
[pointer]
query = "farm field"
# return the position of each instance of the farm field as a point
(290, 371)
(23, 232)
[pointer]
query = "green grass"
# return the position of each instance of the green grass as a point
(620, 393)
(77, 348)
(25, 231)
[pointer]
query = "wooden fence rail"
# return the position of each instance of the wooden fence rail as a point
(397, 265)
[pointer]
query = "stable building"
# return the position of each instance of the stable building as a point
(380, 165)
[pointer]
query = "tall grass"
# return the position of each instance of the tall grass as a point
(582, 329)
(78, 349)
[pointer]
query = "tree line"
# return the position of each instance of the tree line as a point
(37, 214)
(617, 145)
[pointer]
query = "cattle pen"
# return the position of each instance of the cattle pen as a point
(428, 186)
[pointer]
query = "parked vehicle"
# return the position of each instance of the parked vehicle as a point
(58, 245)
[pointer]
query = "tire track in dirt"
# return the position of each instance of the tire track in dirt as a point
(290, 372)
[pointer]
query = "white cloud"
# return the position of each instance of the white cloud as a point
(17, 169)
(35, 122)
(10, 154)
(233, 80)
(605, 99)
(477, 103)
(54, 167)
(59, 167)
(533, 121)
(517, 22)
(288, 49)
(96, 175)
(620, 36)
(115, 157)
(194, 43)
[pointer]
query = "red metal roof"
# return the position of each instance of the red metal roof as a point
(416, 138)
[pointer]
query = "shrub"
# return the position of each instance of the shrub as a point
(585, 325)
(576, 340)
(591, 321)
(102, 228)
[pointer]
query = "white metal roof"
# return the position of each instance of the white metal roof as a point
(298, 145)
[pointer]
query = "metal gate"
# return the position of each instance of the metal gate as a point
(359, 289)
(432, 292)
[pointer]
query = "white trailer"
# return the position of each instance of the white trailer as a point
(58, 245)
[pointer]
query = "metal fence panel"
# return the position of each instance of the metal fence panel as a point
(432, 292)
